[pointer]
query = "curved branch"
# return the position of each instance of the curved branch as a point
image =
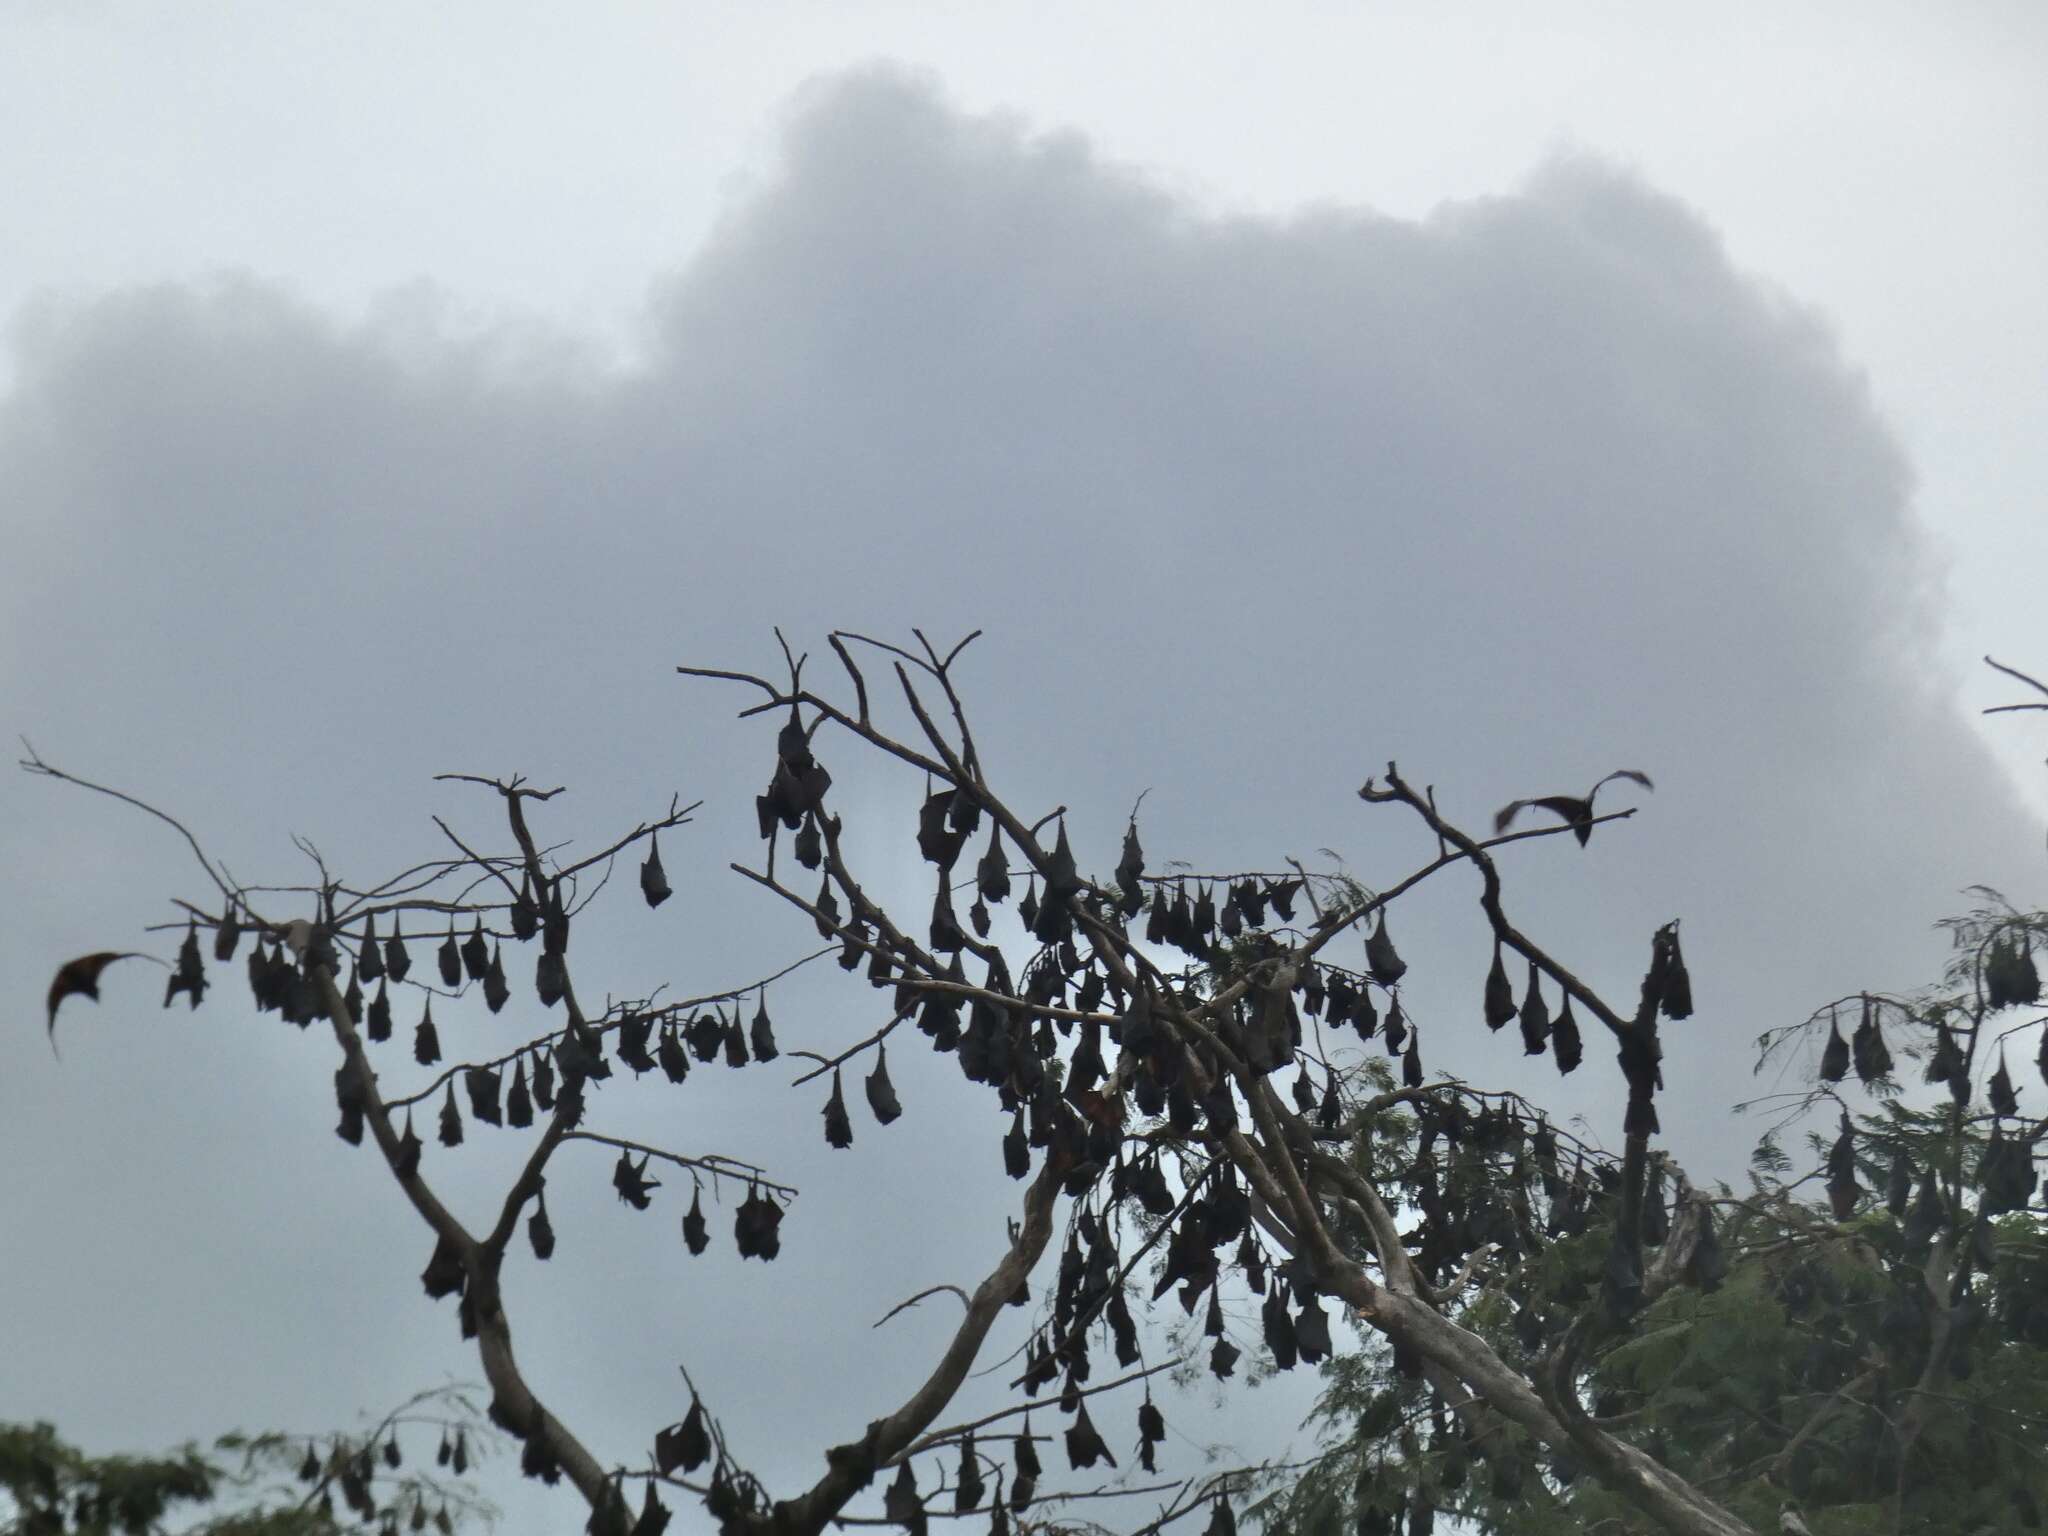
(853, 1466)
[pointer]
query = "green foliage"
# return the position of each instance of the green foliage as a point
(1878, 1359)
(250, 1485)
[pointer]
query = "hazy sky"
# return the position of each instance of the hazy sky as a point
(390, 394)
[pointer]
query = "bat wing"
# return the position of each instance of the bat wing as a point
(80, 977)
(1633, 775)
(1505, 816)
(1567, 808)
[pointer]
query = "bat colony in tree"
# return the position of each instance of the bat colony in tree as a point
(1193, 1061)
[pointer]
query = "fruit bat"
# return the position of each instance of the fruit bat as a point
(937, 839)
(482, 1083)
(762, 1032)
(1565, 1044)
(902, 1504)
(497, 992)
(476, 959)
(1500, 993)
(1834, 1056)
(426, 1040)
(1151, 1431)
(348, 1095)
(1898, 1190)
(1130, 870)
(2005, 1100)
(1656, 1219)
(536, 1460)
(451, 1120)
(1329, 1111)
(1396, 1032)
(1281, 894)
(1124, 1327)
(80, 978)
(705, 1033)
(881, 1092)
(992, 873)
(1180, 926)
(1535, 1017)
(1381, 959)
(2010, 976)
(838, 1128)
(1062, 874)
(1157, 920)
(1304, 1091)
(581, 1055)
(756, 1227)
(1250, 902)
(449, 957)
(1278, 1325)
(945, 927)
(259, 975)
(408, 1159)
(696, 1235)
(634, 1029)
(1223, 1359)
(1312, 1332)
(518, 1101)
(396, 960)
(370, 958)
(1708, 1265)
(653, 880)
(1025, 1458)
(1947, 1062)
(525, 915)
(540, 1231)
(1230, 922)
(809, 844)
(550, 978)
(735, 1042)
(227, 935)
(653, 1518)
(554, 937)
(968, 1486)
(1570, 809)
(1085, 1446)
(1868, 1051)
(1221, 1521)
(1016, 1150)
(2026, 977)
(189, 976)
(631, 1181)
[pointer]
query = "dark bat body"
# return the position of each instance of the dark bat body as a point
(1570, 809)
(80, 978)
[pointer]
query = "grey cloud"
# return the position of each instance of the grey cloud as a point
(1533, 488)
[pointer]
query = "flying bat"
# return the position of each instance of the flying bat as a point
(1574, 812)
(81, 977)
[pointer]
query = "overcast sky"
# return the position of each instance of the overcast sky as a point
(388, 395)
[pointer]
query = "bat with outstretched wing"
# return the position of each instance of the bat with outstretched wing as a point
(81, 978)
(1573, 811)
